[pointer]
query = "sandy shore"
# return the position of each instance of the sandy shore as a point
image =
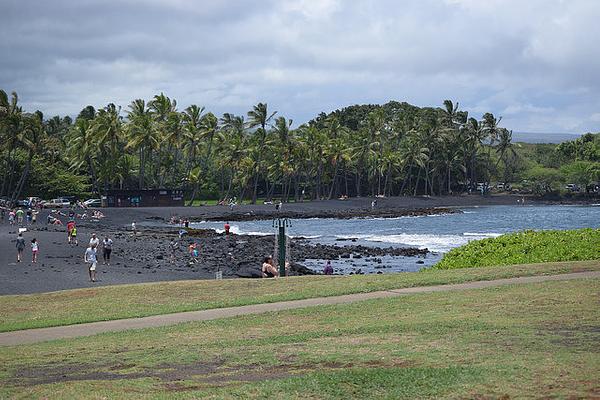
(147, 257)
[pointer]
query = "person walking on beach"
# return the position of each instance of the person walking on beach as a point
(94, 241)
(268, 270)
(73, 236)
(106, 250)
(133, 229)
(34, 216)
(90, 258)
(19, 214)
(227, 228)
(11, 217)
(173, 245)
(70, 226)
(20, 246)
(35, 248)
(28, 216)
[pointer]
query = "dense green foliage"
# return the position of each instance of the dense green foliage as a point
(389, 149)
(525, 248)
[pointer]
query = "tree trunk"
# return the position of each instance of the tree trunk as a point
(19, 188)
(335, 172)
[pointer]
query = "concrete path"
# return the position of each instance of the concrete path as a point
(93, 328)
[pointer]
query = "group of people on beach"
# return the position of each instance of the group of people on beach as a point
(16, 216)
(90, 256)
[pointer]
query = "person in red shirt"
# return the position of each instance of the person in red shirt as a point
(70, 226)
(227, 228)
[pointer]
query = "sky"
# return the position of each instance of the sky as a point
(535, 63)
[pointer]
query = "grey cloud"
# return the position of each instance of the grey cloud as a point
(532, 61)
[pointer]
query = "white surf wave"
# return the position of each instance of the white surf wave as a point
(236, 230)
(435, 243)
(483, 234)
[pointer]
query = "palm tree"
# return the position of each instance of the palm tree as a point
(30, 138)
(107, 128)
(141, 135)
(209, 125)
(259, 118)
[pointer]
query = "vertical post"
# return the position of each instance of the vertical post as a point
(281, 252)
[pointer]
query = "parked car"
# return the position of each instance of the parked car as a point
(22, 203)
(57, 203)
(500, 186)
(572, 187)
(93, 203)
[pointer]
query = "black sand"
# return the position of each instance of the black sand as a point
(146, 258)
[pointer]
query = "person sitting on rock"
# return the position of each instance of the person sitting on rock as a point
(268, 270)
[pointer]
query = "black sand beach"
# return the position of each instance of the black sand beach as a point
(146, 257)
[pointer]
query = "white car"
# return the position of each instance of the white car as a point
(93, 203)
(57, 203)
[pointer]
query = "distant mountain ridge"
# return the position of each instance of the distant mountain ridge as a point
(543, 137)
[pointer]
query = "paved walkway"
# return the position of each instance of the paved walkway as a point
(93, 328)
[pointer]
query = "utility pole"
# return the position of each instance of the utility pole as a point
(281, 224)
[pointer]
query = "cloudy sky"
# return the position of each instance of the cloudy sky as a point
(536, 63)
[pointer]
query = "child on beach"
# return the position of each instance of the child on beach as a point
(90, 258)
(35, 248)
(70, 226)
(20, 246)
(73, 237)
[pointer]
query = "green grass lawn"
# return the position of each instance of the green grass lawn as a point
(525, 248)
(520, 341)
(115, 302)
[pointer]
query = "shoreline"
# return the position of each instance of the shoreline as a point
(146, 258)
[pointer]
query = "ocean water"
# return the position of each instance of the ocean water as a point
(438, 233)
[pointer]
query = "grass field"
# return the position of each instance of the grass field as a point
(525, 248)
(521, 341)
(114, 302)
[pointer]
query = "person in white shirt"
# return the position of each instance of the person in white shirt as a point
(90, 258)
(94, 241)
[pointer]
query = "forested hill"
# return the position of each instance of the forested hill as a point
(355, 116)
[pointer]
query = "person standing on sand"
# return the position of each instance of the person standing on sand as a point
(106, 250)
(173, 245)
(94, 241)
(90, 258)
(74, 236)
(35, 248)
(70, 226)
(20, 246)
(268, 270)
(19, 215)
(133, 229)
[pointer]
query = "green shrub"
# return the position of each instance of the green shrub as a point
(525, 248)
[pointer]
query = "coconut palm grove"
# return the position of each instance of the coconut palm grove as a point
(391, 149)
